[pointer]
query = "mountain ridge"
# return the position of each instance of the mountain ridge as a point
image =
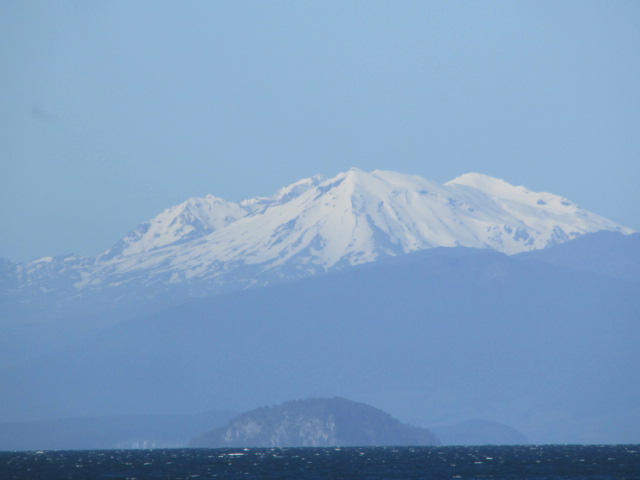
(209, 245)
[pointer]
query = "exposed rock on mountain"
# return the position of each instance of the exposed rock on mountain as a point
(315, 422)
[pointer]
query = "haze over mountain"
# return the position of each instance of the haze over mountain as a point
(434, 338)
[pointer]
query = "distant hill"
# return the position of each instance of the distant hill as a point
(315, 422)
(479, 432)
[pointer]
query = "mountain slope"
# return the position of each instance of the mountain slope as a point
(192, 219)
(443, 336)
(603, 252)
(316, 225)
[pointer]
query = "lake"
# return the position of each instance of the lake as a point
(620, 462)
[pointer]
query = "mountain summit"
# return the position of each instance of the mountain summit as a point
(315, 225)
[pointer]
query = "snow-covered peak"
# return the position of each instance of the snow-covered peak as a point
(498, 188)
(286, 194)
(298, 188)
(317, 225)
(476, 180)
(191, 219)
(485, 183)
(357, 217)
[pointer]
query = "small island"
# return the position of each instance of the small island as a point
(315, 422)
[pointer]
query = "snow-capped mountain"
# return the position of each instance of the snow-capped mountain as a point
(317, 225)
(192, 219)
(356, 217)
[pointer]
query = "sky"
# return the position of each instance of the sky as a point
(112, 111)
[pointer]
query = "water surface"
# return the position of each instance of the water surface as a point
(513, 462)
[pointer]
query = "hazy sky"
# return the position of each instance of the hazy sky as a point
(112, 111)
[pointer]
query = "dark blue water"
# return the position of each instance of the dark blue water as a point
(522, 462)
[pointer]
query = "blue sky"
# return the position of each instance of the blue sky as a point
(112, 111)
